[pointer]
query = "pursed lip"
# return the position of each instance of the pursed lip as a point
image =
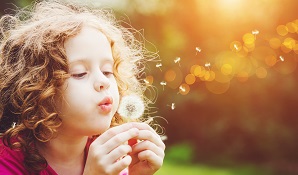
(106, 104)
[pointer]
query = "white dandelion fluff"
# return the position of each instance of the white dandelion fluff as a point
(131, 107)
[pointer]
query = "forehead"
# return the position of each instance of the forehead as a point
(88, 43)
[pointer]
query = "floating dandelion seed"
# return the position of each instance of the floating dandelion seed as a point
(236, 47)
(146, 81)
(13, 125)
(172, 106)
(281, 58)
(208, 65)
(255, 32)
(131, 107)
(198, 50)
(177, 60)
(163, 83)
(158, 65)
(181, 88)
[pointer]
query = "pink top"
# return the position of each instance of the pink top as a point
(11, 162)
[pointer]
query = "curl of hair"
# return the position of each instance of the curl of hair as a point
(33, 65)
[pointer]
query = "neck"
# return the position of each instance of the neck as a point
(65, 154)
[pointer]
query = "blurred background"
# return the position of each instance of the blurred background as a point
(226, 81)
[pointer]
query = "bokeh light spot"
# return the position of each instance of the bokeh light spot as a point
(175, 75)
(207, 75)
(199, 71)
(274, 43)
(211, 76)
(170, 75)
(226, 69)
(249, 47)
(270, 60)
(217, 87)
(190, 79)
(289, 43)
(248, 38)
(285, 49)
(149, 80)
(222, 78)
(192, 68)
(261, 72)
(242, 76)
(292, 27)
(282, 30)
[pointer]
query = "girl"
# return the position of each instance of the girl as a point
(63, 71)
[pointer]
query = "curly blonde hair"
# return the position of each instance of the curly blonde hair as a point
(33, 65)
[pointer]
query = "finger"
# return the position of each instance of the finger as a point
(118, 153)
(121, 164)
(152, 137)
(143, 126)
(153, 160)
(119, 139)
(147, 145)
(107, 135)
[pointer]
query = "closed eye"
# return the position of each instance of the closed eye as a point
(80, 75)
(107, 73)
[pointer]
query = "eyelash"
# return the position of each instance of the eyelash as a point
(106, 73)
(82, 75)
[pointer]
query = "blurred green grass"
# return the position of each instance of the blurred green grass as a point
(171, 168)
(179, 161)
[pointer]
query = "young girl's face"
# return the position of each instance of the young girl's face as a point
(90, 96)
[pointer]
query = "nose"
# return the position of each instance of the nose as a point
(101, 82)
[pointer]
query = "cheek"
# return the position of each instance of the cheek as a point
(113, 90)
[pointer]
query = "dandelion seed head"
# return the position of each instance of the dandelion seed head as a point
(131, 107)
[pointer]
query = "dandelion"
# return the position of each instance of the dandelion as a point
(131, 107)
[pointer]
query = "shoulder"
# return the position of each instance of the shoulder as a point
(11, 161)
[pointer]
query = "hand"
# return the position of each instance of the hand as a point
(148, 154)
(108, 155)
